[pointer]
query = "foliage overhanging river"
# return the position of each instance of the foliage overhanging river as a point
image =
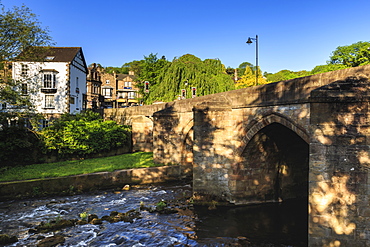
(283, 224)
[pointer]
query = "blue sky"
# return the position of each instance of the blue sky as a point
(293, 34)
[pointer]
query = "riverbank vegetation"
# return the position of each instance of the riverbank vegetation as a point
(80, 136)
(76, 167)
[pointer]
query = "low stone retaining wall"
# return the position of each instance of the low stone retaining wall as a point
(94, 181)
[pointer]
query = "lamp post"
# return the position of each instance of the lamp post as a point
(250, 41)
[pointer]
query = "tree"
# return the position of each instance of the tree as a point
(353, 55)
(249, 78)
(19, 30)
(208, 77)
(285, 74)
(326, 68)
(150, 69)
(243, 66)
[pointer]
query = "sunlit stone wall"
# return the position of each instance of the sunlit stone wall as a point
(339, 164)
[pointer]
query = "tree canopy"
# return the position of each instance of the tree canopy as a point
(248, 79)
(353, 55)
(208, 77)
(19, 29)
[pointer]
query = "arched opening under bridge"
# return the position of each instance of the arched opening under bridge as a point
(274, 166)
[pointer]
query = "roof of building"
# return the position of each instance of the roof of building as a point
(48, 54)
(125, 77)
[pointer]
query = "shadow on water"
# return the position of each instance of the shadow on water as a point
(275, 224)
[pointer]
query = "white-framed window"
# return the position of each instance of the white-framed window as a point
(107, 81)
(107, 92)
(49, 101)
(49, 80)
(131, 95)
(128, 84)
(24, 69)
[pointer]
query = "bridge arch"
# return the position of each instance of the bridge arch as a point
(265, 120)
(273, 163)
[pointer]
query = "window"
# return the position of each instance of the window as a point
(127, 84)
(107, 81)
(24, 89)
(49, 101)
(107, 92)
(131, 95)
(72, 100)
(95, 88)
(49, 80)
(45, 123)
(49, 58)
(24, 70)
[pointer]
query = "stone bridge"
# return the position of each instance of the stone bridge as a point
(303, 138)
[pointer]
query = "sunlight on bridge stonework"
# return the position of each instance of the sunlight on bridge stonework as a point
(364, 158)
(330, 203)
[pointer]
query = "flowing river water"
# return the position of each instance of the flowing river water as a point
(283, 224)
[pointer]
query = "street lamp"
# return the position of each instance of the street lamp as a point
(250, 41)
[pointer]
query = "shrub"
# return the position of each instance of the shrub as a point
(18, 146)
(82, 136)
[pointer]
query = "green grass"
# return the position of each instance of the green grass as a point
(76, 167)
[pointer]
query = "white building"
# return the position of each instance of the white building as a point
(54, 78)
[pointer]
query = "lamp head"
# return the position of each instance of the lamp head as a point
(249, 41)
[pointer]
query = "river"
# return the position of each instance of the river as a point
(282, 224)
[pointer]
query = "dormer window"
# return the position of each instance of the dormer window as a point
(49, 58)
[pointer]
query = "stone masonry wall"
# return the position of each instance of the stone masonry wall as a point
(339, 164)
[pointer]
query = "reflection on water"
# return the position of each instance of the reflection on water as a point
(263, 225)
(270, 224)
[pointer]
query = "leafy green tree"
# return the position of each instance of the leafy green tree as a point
(285, 74)
(134, 66)
(243, 66)
(208, 77)
(150, 69)
(19, 30)
(326, 68)
(353, 55)
(249, 78)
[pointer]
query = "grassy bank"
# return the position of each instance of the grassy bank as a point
(76, 167)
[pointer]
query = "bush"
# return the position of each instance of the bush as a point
(69, 137)
(18, 146)
(81, 136)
